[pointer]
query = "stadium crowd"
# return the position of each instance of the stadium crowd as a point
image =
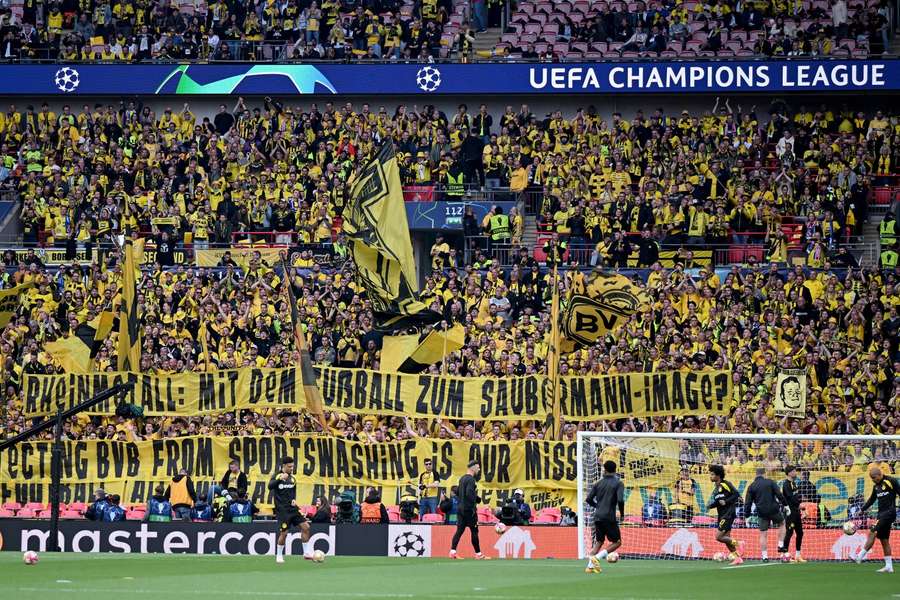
(86, 177)
(581, 29)
(122, 31)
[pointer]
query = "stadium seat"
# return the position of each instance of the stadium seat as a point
(486, 515)
(883, 195)
(546, 520)
(35, 506)
(6, 513)
(135, 515)
(394, 514)
(26, 513)
(633, 520)
(71, 514)
(14, 506)
(79, 506)
(703, 521)
(432, 518)
(550, 511)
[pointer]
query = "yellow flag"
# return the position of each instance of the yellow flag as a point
(375, 222)
(605, 303)
(554, 425)
(9, 302)
(395, 349)
(434, 348)
(71, 354)
(129, 353)
(315, 404)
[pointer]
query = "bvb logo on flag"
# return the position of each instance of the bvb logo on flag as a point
(605, 304)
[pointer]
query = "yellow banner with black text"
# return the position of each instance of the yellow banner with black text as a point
(360, 391)
(326, 462)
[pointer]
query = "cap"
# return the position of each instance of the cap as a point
(519, 492)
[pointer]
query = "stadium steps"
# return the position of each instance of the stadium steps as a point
(485, 42)
(529, 237)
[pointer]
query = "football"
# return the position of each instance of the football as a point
(500, 528)
(719, 556)
(30, 557)
(318, 556)
(612, 557)
(849, 528)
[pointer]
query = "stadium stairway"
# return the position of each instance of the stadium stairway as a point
(485, 42)
(529, 236)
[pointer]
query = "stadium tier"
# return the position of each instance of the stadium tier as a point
(593, 287)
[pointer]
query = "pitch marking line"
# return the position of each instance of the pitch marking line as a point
(300, 594)
(771, 564)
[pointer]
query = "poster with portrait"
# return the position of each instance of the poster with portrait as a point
(790, 393)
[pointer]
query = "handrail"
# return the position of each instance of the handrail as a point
(455, 60)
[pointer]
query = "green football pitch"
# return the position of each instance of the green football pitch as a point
(72, 576)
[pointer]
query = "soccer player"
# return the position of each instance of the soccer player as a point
(287, 515)
(885, 491)
(793, 519)
(604, 497)
(725, 498)
(764, 493)
(468, 511)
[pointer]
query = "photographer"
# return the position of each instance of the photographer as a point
(159, 509)
(234, 479)
(515, 511)
(429, 488)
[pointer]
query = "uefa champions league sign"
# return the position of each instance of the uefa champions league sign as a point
(325, 79)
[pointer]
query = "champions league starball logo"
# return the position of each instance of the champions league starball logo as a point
(409, 543)
(428, 78)
(67, 79)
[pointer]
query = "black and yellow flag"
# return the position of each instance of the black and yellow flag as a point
(415, 358)
(375, 222)
(599, 306)
(315, 405)
(129, 352)
(553, 425)
(9, 301)
(71, 354)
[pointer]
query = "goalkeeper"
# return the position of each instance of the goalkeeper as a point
(605, 496)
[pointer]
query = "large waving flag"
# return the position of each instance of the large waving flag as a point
(601, 305)
(129, 358)
(315, 405)
(375, 221)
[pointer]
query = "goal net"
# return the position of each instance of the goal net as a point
(668, 489)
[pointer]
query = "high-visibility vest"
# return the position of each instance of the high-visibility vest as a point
(889, 259)
(178, 493)
(160, 511)
(499, 227)
(370, 512)
(888, 231)
(455, 185)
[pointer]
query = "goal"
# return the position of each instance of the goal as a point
(667, 489)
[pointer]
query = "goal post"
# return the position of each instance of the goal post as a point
(668, 489)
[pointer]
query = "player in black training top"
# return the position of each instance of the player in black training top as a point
(793, 520)
(284, 493)
(885, 492)
(764, 493)
(725, 499)
(467, 513)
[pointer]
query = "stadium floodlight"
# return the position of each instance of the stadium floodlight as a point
(668, 489)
